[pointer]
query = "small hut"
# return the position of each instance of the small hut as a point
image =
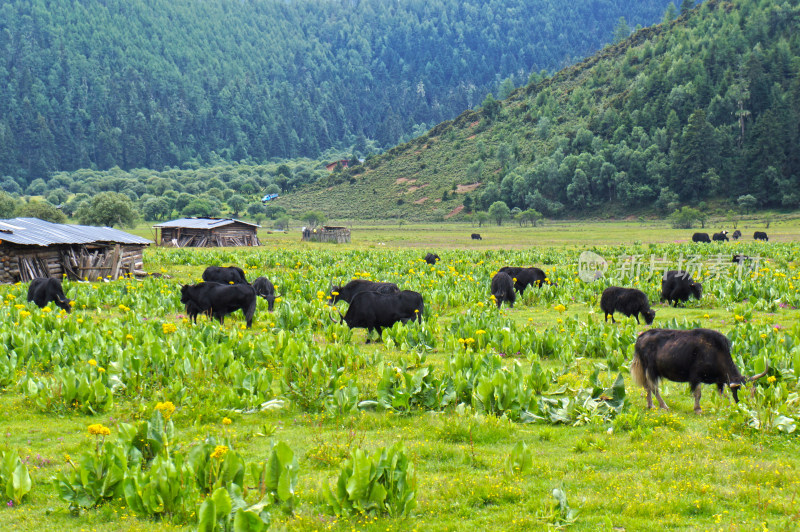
(30, 247)
(207, 232)
(327, 233)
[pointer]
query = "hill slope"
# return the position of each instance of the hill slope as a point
(151, 83)
(705, 107)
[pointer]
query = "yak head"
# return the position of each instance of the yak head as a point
(185, 293)
(739, 381)
(649, 316)
(697, 289)
(333, 294)
(65, 304)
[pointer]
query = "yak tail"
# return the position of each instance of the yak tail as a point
(637, 372)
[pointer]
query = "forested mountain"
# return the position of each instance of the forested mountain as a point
(703, 108)
(156, 83)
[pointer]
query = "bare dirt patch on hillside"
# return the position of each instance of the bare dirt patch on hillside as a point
(421, 201)
(401, 180)
(454, 212)
(463, 189)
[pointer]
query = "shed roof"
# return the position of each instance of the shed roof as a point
(203, 223)
(36, 232)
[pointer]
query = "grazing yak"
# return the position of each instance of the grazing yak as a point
(476, 236)
(679, 286)
(376, 310)
(697, 356)
(431, 258)
(720, 237)
(525, 277)
(628, 301)
(740, 258)
(503, 289)
(224, 275)
(700, 237)
(42, 290)
(736, 234)
(760, 235)
(219, 300)
(264, 288)
(356, 286)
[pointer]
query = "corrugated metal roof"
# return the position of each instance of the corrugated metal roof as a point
(203, 223)
(36, 232)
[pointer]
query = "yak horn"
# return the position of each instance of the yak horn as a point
(756, 377)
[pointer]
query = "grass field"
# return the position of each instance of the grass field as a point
(727, 469)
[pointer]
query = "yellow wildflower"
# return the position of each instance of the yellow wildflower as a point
(166, 409)
(92, 362)
(99, 430)
(24, 314)
(47, 309)
(169, 328)
(219, 451)
(771, 379)
(226, 421)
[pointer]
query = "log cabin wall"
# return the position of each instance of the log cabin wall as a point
(79, 262)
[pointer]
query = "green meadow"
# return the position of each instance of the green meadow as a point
(504, 419)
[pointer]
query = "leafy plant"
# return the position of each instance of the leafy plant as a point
(15, 481)
(382, 483)
(520, 459)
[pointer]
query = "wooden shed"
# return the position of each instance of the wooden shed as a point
(327, 233)
(30, 247)
(207, 232)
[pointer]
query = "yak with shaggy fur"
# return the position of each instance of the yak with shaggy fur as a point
(697, 356)
(628, 301)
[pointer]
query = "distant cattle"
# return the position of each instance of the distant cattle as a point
(697, 356)
(760, 235)
(736, 234)
(678, 286)
(42, 290)
(356, 286)
(740, 258)
(375, 310)
(476, 236)
(219, 300)
(224, 275)
(503, 289)
(720, 237)
(627, 301)
(265, 289)
(700, 237)
(525, 277)
(431, 258)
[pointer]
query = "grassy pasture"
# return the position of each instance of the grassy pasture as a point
(633, 470)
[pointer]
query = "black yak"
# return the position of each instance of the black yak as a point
(628, 301)
(219, 300)
(224, 275)
(679, 286)
(264, 288)
(697, 356)
(375, 310)
(720, 237)
(503, 289)
(431, 258)
(760, 235)
(700, 237)
(356, 286)
(42, 290)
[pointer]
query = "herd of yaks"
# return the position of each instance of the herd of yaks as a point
(722, 236)
(697, 356)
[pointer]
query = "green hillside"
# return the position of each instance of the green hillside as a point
(703, 109)
(156, 83)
